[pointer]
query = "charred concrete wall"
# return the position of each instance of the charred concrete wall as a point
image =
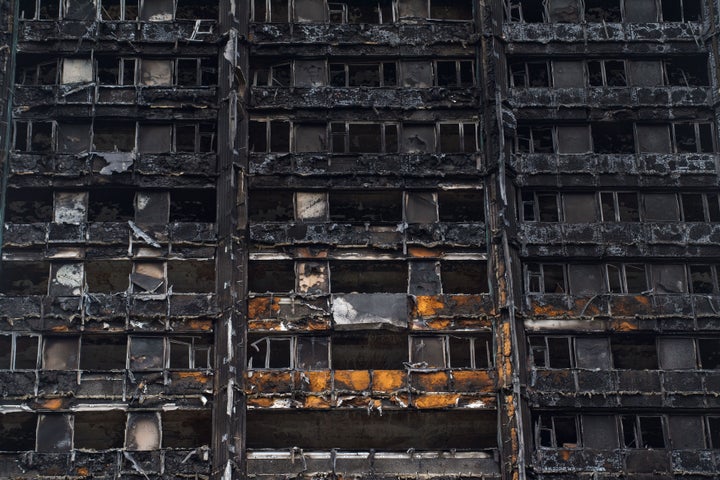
(393, 239)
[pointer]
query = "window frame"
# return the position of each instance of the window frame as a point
(13, 350)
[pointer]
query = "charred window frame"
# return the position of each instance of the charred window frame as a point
(194, 138)
(40, 9)
(693, 137)
(361, 11)
(708, 350)
(19, 351)
(525, 11)
(557, 431)
(607, 73)
(116, 71)
(712, 428)
(270, 135)
(279, 75)
(540, 206)
(530, 74)
(546, 278)
(682, 11)
(61, 352)
(613, 138)
(627, 278)
(603, 11)
(704, 279)
(195, 72)
(700, 207)
(270, 11)
(619, 207)
(686, 71)
(190, 353)
(35, 136)
(643, 431)
(382, 74)
(457, 137)
(534, 139)
(454, 73)
(43, 73)
(289, 352)
(356, 137)
(551, 352)
(119, 10)
(451, 351)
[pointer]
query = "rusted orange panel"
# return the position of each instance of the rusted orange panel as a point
(473, 381)
(479, 401)
(258, 307)
(564, 454)
(401, 399)
(202, 325)
(436, 400)
(388, 380)
(421, 252)
(316, 402)
(473, 322)
(60, 328)
(358, 401)
(315, 381)
(439, 323)
(260, 402)
(269, 381)
(200, 377)
(427, 306)
(551, 311)
(623, 326)
(356, 380)
(430, 381)
(82, 471)
(52, 404)
(264, 325)
(305, 252)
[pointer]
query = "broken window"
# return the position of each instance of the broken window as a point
(457, 137)
(271, 206)
(99, 430)
(301, 352)
(642, 431)
(634, 352)
(529, 74)
(451, 9)
(450, 351)
(454, 73)
(24, 278)
(196, 10)
(363, 137)
(360, 11)
(152, 208)
(555, 431)
(606, 73)
(73, 137)
(619, 207)
(191, 276)
(693, 137)
(155, 73)
(193, 205)
(276, 11)
(461, 205)
(528, 11)
(681, 10)
(468, 277)
(42, 73)
(54, 433)
(602, 11)
(371, 351)
(362, 206)
(545, 278)
(148, 277)
(60, 353)
(188, 353)
(186, 429)
(28, 205)
(195, 137)
(35, 136)
(123, 10)
(368, 277)
(273, 76)
(271, 276)
(709, 353)
(103, 352)
(17, 432)
(551, 352)
(146, 353)
(614, 137)
(704, 279)
(113, 136)
(669, 279)
(116, 71)
(142, 431)
(626, 278)
(193, 72)
(540, 206)
(382, 74)
(269, 136)
(70, 207)
(18, 352)
(534, 139)
(111, 205)
(687, 71)
(39, 9)
(107, 276)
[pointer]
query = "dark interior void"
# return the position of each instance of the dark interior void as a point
(17, 432)
(99, 430)
(366, 206)
(192, 205)
(635, 352)
(196, 9)
(464, 277)
(186, 429)
(374, 351)
(368, 277)
(271, 206)
(29, 205)
(461, 206)
(111, 205)
(356, 430)
(271, 276)
(24, 278)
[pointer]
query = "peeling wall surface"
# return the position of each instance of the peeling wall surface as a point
(388, 239)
